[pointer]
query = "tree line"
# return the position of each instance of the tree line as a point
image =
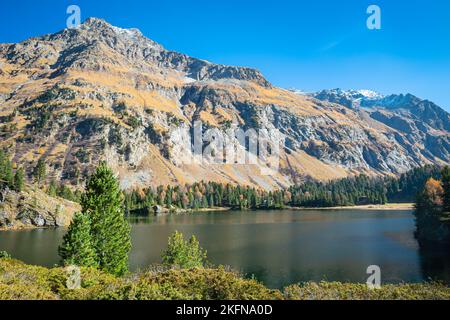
(205, 195)
(349, 191)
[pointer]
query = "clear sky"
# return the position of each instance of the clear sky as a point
(309, 45)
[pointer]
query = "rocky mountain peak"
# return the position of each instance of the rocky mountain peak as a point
(100, 29)
(95, 23)
(351, 94)
(103, 93)
(132, 44)
(96, 45)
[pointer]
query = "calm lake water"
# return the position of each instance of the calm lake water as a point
(278, 247)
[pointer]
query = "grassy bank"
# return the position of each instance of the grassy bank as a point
(21, 281)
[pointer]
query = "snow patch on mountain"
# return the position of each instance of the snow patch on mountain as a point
(130, 33)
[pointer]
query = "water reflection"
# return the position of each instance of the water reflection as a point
(278, 247)
(435, 262)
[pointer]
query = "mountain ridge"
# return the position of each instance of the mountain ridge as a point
(423, 109)
(78, 97)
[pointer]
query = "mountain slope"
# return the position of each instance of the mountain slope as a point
(414, 119)
(34, 208)
(77, 97)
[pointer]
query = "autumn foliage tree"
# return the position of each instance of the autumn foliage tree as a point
(431, 209)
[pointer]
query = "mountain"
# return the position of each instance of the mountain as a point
(403, 105)
(99, 92)
(348, 98)
(418, 120)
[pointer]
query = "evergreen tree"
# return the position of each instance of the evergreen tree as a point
(6, 169)
(40, 172)
(446, 196)
(428, 212)
(52, 189)
(103, 203)
(77, 246)
(19, 180)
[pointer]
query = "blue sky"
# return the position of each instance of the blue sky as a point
(309, 45)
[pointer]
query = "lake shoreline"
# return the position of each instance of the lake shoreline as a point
(385, 207)
(381, 207)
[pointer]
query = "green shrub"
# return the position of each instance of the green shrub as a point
(4, 255)
(212, 284)
(19, 281)
(184, 254)
(349, 291)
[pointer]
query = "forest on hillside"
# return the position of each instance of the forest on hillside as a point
(358, 190)
(350, 191)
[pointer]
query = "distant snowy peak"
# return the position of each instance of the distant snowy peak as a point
(349, 98)
(401, 104)
(131, 33)
(368, 99)
(351, 94)
(368, 94)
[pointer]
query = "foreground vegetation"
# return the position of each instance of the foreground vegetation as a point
(21, 281)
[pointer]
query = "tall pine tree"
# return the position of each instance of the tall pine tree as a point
(103, 203)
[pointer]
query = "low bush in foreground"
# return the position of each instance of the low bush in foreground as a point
(21, 281)
(351, 291)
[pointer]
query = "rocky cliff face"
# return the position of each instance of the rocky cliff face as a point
(103, 93)
(32, 208)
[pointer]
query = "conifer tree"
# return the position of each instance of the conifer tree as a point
(52, 189)
(40, 172)
(6, 170)
(103, 203)
(19, 180)
(446, 196)
(77, 246)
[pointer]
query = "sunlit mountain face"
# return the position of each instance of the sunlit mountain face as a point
(100, 92)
